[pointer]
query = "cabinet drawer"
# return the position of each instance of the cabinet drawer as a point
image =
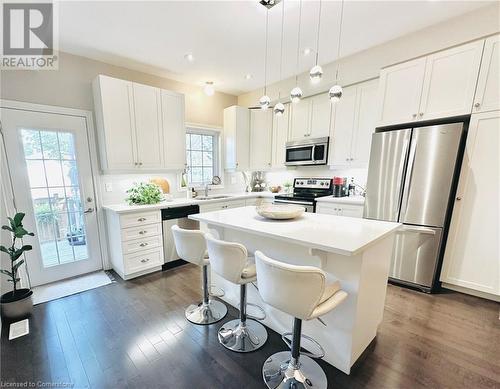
(141, 232)
(234, 204)
(139, 219)
(136, 245)
(143, 260)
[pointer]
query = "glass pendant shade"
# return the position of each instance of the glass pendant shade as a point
(279, 109)
(296, 94)
(264, 102)
(316, 73)
(335, 93)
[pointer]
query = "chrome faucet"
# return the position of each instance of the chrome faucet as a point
(206, 189)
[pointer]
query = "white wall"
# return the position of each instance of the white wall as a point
(366, 65)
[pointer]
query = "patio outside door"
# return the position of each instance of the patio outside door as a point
(49, 160)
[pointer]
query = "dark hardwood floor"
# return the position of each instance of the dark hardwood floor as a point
(134, 335)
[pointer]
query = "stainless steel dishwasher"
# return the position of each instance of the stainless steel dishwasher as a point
(176, 216)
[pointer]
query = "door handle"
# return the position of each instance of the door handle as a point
(89, 210)
(426, 231)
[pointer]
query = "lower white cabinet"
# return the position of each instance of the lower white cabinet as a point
(340, 209)
(135, 242)
(472, 256)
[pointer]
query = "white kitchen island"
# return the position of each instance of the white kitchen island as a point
(355, 251)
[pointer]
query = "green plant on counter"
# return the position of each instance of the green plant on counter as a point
(288, 186)
(144, 193)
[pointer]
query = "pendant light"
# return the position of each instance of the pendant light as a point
(279, 108)
(336, 91)
(265, 100)
(296, 93)
(316, 71)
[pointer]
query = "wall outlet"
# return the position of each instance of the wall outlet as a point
(108, 187)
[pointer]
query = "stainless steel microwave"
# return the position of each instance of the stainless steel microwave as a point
(312, 151)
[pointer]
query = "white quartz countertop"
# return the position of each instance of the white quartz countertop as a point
(179, 202)
(337, 234)
(353, 200)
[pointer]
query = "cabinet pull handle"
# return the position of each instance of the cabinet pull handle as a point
(421, 114)
(143, 244)
(140, 163)
(414, 115)
(144, 260)
(477, 105)
(459, 198)
(141, 219)
(142, 232)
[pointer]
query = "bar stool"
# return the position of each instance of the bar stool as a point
(191, 246)
(231, 261)
(304, 293)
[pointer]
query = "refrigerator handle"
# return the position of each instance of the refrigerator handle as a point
(400, 187)
(408, 178)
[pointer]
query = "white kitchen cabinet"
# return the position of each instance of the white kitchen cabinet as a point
(261, 131)
(436, 86)
(354, 121)
(237, 138)
(114, 116)
(139, 127)
(300, 119)
(487, 96)
(148, 131)
(136, 243)
(321, 116)
(280, 137)
(471, 258)
(174, 129)
(450, 81)
(340, 209)
(311, 117)
(399, 92)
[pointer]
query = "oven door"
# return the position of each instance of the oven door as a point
(309, 206)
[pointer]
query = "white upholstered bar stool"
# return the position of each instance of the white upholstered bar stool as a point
(231, 261)
(304, 293)
(191, 246)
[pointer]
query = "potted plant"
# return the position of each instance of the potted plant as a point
(16, 304)
(144, 193)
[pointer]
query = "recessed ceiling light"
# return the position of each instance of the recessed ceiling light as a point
(307, 51)
(189, 57)
(248, 76)
(209, 88)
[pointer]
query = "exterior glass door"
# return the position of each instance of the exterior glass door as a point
(49, 159)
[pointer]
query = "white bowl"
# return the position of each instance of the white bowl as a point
(280, 211)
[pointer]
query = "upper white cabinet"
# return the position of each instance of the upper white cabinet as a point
(400, 91)
(237, 138)
(450, 81)
(114, 116)
(147, 122)
(139, 126)
(261, 130)
(174, 129)
(280, 137)
(321, 116)
(471, 259)
(437, 86)
(488, 85)
(311, 117)
(354, 120)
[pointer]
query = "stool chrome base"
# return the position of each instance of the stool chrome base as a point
(242, 337)
(204, 313)
(278, 372)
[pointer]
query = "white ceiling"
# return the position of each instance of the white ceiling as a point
(227, 37)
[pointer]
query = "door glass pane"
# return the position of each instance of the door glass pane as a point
(55, 192)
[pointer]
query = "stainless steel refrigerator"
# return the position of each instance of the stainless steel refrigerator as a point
(411, 177)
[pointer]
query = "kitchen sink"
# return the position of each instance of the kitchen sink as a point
(212, 197)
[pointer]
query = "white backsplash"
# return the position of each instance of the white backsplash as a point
(233, 182)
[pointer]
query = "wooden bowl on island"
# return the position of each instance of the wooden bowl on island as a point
(280, 212)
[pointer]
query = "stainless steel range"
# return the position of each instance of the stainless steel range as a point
(306, 191)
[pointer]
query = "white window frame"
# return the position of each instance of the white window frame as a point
(217, 153)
